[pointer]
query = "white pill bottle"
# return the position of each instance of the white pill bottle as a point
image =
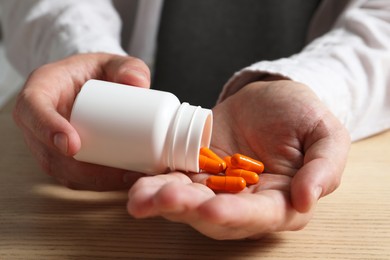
(139, 129)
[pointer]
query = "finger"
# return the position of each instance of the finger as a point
(223, 216)
(178, 202)
(35, 112)
(141, 195)
(321, 173)
(236, 216)
(128, 70)
(38, 149)
(45, 103)
(86, 176)
(78, 175)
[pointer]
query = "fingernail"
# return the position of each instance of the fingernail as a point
(141, 76)
(317, 193)
(61, 142)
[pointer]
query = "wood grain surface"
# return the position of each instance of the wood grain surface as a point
(40, 219)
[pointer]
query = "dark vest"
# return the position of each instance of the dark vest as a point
(201, 43)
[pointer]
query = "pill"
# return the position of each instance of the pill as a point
(210, 154)
(209, 165)
(249, 176)
(244, 162)
(226, 183)
(227, 161)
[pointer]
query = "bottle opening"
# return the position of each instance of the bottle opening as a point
(207, 131)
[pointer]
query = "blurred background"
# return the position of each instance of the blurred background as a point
(10, 81)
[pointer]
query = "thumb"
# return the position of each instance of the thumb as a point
(36, 115)
(311, 182)
(128, 70)
(322, 170)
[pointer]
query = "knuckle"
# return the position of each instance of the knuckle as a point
(46, 163)
(137, 61)
(40, 153)
(138, 65)
(46, 167)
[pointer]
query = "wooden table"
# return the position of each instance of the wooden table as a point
(40, 219)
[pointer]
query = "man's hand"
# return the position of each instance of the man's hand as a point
(43, 109)
(281, 123)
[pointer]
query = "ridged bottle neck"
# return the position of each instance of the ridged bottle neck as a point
(190, 130)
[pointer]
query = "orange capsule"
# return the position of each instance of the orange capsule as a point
(209, 165)
(227, 161)
(210, 154)
(226, 183)
(249, 176)
(246, 163)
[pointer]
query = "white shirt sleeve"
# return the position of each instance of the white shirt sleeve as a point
(40, 31)
(144, 36)
(348, 68)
